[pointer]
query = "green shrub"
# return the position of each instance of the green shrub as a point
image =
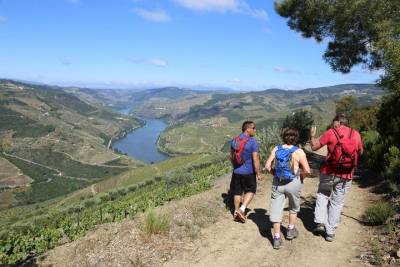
(89, 203)
(158, 178)
(378, 213)
(149, 182)
(374, 149)
(302, 121)
(392, 161)
(393, 188)
(156, 224)
(132, 188)
(268, 138)
(122, 192)
(377, 254)
(178, 178)
(113, 194)
(104, 197)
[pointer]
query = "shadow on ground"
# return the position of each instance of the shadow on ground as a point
(258, 216)
(261, 219)
(366, 178)
(228, 201)
(306, 214)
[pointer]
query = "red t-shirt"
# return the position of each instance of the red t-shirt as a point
(329, 139)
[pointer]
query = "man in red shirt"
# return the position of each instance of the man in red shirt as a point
(334, 181)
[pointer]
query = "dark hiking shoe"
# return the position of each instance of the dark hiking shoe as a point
(319, 229)
(292, 233)
(277, 243)
(330, 238)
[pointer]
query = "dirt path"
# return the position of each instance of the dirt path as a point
(228, 243)
(223, 242)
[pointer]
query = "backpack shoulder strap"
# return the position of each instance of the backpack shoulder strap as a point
(293, 149)
(351, 133)
(337, 135)
(245, 141)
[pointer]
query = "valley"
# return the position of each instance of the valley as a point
(55, 140)
(54, 143)
(61, 153)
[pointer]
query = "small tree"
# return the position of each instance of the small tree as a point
(347, 104)
(301, 121)
(268, 138)
(6, 144)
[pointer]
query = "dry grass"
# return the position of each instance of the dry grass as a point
(155, 223)
(378, 213)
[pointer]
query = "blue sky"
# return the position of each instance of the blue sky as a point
(149, 43)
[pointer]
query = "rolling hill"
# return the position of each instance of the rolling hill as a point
(53, 142)
(58, 172)
(203, 121)
(210, 125)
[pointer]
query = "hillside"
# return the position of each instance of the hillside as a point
(201, 233)
(33, 230)
(210, 125)
(53, 142)
(58, 136)
(201, 121)
(61, 181)
(166, 103)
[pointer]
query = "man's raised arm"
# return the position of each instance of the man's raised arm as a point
(314, 142)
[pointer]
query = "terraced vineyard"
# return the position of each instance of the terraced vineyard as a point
(53, 142)
(41, 230)
(209, 126)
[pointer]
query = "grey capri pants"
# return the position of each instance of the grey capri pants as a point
(281, 190)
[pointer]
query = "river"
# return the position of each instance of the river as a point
(141, 143)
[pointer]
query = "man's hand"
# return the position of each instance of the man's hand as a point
(259, 176)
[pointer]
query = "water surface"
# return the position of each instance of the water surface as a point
(141, 143)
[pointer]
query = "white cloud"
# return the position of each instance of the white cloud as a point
(154, 61)
(237, 6)
(257, 13)
(152, 15)
(209, 5)
(158, 62)
(286, 70)
(235, 81)
(3, 19)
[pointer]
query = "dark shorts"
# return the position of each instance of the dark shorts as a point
(243, 183)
